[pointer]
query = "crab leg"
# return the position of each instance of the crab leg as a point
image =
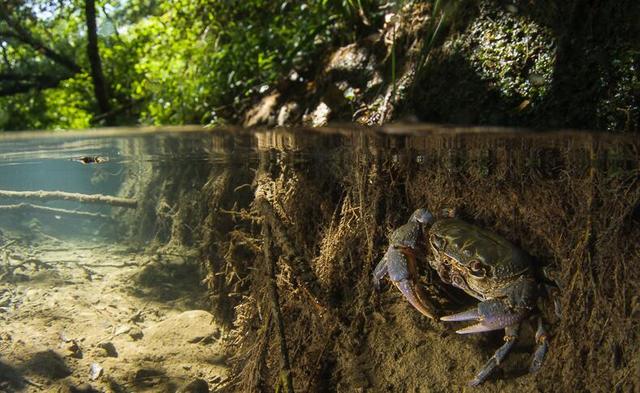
(399, 264)
(380, 271)
(541, 348)
(510, 336)
(492, 314)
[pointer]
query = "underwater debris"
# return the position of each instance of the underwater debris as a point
(90, 159)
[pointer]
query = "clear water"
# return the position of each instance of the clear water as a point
(179, 288)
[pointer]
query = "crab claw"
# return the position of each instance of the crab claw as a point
(491, 314)
(399, 265)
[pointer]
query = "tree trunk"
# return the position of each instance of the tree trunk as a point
(99, 86)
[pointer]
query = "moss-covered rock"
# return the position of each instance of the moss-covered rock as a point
(513, 53)
(498, 70)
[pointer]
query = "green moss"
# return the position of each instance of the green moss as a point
(618, 109)
(497, 69)
(511, 52)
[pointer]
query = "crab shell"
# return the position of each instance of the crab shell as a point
(481, 263)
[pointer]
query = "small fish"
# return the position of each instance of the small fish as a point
(90, 159)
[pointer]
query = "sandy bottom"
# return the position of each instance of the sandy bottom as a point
(83, 317)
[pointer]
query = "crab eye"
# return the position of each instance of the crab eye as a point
(458, 281)
(477, 269)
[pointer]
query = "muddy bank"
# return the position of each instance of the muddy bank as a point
(328, 203)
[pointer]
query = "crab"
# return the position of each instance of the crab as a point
(481, 263)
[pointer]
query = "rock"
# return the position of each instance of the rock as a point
(136, 333)
(196, 386)
(109, 348)
(147, 377)
(83, 388)
(188, 327)
(263, 112)
(95, 371)
(73, 349)
(289, 114)
(334, 95)
(319, 117)
(64, 338)
(348, 59)
(6, 298)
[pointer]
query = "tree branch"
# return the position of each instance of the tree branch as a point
(5, 57)
(13, 83)
(27, 207)
(25, 36)
(16, 77)
(276, 312)
(70, 196)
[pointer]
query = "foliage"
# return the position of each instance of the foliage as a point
(165, 61)
(203, 61)
(199, 70)
(619, 107)
(65, 107)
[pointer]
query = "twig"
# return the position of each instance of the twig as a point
(37, 264)
(53, 238)
(87, 272)
(52, 210)
(293, 262)
(70, 196)
(7, 245)
(29, 382)
(254, 368)
(242, 214)
(276, 312)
